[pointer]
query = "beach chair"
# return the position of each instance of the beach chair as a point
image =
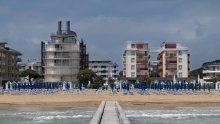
(131, 93)
(147, 93)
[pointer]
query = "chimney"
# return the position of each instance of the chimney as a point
(59, 27)
(68, 27)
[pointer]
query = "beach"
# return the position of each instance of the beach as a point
(71, 108)
(90, 98)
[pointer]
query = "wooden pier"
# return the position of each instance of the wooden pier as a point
(109, 112)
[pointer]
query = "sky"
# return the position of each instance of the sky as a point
(106, 25)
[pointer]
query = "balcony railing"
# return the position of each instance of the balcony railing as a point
(18, 60)
(2, 55)
(62, 64)
(211, 71)
(60, 72)
(62, 49)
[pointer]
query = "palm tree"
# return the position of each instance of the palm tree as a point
(110, 80)
(215, 79)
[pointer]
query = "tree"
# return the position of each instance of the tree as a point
(99, 80)
(30, 74)
(120, 74)
(145, 79)
(154, 74)
(110, 80)
(215, 79)
(86, 75)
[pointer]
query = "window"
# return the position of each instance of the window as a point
(29, 67)
(132, 67)
(132, 74)
(180, 60)
(180, 67)
(132, 52)
(180, 52)
(132, 59)
(180, 74)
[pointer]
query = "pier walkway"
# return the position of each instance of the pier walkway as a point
(109, 112)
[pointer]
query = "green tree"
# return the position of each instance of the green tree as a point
(110, 80)
(145, 79)
(99, 80)
(120, 74)
(86, 75)
(30, 74)
(215, 79)
(154, 74)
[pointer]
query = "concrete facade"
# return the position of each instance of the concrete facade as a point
(173, 60)
(61, 56)
(105, 69)
(210, 70)
(8, 63)
(136, 59)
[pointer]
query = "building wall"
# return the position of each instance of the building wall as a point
(140, 54)
(61, 56)
(169, 62)
(105, 69)
(8, 63)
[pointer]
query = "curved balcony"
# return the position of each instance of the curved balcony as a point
(62, 65)
(61, 72)
(63, 49)
(61, 57)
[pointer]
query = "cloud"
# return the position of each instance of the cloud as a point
(106, 29)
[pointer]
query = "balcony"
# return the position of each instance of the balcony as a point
(124, 62)
(211, 71)
(18, 60)
(2, 55)
(124, 54)
(62, 49)
(124, 68)
(62, 64)
(60, 72)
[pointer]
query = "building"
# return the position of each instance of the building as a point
(173, 60)
(136, 60)
(105, 69)
(154, 66)
(63, 56)
(210, 70)
(32, 64)
(8, 63)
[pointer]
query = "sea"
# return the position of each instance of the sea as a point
(83, 115)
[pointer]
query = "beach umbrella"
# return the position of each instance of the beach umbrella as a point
(6, 86)
(174, 79)
(204, 86)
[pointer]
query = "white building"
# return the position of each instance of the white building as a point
(136, 60)
(105, 69)
(32, 64)
(210, 70)
(61, 56)
(154, 66)
(173, 60)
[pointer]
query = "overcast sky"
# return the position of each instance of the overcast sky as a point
(106, 26)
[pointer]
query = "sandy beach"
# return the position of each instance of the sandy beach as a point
(62, 99)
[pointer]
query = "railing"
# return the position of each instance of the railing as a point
(63, 64)
(1, 70)
(18, 59)
(2, 55)
(60, 72)
(69, 57)
(63, 49)
(2, 63)
(211, 71)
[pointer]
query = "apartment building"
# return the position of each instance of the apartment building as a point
(210, 70)
(8, 63)
(173, 60)
(136, 60)
(63, 55)
(105, 69)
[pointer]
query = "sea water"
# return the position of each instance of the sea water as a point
(83, 115)
(184, 115)
(28, 115)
